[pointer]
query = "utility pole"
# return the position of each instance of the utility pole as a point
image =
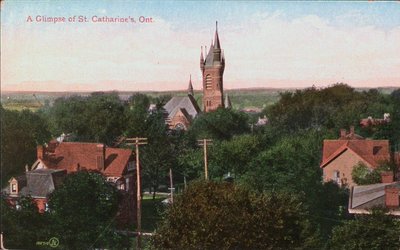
(172, 185)
(138, 141)
(204, 143)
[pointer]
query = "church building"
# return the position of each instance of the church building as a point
(181, 110)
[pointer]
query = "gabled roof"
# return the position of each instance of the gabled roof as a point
(182, 102)
(74, 155)
(373, 152)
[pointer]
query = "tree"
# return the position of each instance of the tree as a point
(100, 117)
(20, 133)
(25, 226)
(291, 164)
(212, 215)
(374, 231)
(220, 124)
(234, 155)
(137, 114)
(362, 175)
(83, 211)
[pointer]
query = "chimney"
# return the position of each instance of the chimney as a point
(387, 177)
(342, 133)
(100, 156)
(40, 152)
(351, 131)
(392, 196)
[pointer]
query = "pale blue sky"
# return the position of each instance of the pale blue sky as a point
(267, 43)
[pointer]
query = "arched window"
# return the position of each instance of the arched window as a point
(208, 82)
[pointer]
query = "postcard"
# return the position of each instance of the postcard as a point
(200, 124)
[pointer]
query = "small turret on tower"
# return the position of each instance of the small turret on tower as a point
(202, 60)
(190, 87)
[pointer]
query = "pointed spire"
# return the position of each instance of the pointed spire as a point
(201, 55)
(227, 102)
(190, 88)
(216, 39)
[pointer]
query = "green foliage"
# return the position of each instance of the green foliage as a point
(211, 215)
(99, 117)
(220, 124)
(137, 114)
(335, 107)
(24, 226)
(375, 231)
(20, 133)
(291, 164)
(233, 155)
(362, 175)
(83, 211)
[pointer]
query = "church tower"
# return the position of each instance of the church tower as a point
(212, 68)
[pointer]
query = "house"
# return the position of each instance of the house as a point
(61, 158)
(37, 184)
(383, 195)
(341, 155)
(370, 122)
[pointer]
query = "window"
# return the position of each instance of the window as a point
(46, 207)
(122, 186)
(13, 188)
(336, 177)
(208, 82)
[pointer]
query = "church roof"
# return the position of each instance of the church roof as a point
(216, 38)
(182, 102)
(210, 56)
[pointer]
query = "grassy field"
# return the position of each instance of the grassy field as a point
(152, 212)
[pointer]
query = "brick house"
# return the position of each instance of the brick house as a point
(37, 184)
(116, 164)
(341, 155)
(384, 195)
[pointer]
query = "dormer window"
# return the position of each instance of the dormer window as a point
(14, 188)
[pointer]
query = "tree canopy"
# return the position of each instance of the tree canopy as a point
(83, 211)
(212, 215)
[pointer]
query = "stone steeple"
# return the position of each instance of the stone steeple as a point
(212, 69)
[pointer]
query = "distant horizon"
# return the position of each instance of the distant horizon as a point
(195, 90)
(266, 44)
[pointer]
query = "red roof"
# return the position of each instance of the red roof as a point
(74, 155)
(373, 152)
